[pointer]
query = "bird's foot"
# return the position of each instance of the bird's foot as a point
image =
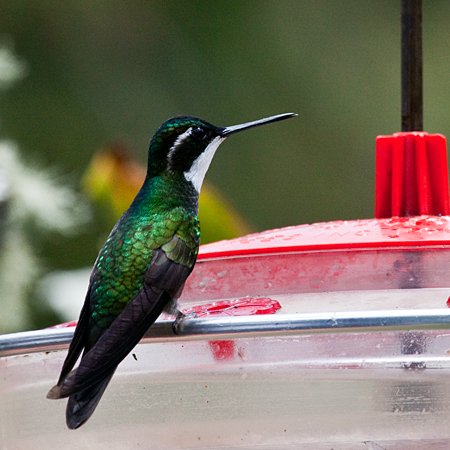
(177, 325)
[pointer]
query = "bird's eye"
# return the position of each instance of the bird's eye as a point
(199, 133)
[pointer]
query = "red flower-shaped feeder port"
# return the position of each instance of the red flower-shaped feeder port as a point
(239, 307)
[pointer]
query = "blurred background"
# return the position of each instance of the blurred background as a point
(84, 85)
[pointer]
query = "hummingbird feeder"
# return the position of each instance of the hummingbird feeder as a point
(330, 335)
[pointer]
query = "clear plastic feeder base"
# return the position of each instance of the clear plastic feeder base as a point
(274, 390)
(358, 356)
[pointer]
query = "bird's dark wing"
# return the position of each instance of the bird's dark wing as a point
(78, 341)
(163, 280)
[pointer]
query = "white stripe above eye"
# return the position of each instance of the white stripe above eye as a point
(178, 141)
(197, 172)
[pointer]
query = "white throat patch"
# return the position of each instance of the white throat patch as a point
(197, 172)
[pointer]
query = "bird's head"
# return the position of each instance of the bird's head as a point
(185, 146)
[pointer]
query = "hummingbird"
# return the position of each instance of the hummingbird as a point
(141, 269)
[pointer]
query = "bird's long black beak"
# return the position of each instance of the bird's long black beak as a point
(243, 126)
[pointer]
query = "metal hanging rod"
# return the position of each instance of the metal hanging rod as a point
(412, 66)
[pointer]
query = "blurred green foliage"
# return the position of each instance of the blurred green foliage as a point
(102, 71)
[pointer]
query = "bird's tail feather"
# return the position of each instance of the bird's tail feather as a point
(82, 404)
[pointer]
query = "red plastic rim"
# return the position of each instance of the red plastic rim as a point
(354, 234)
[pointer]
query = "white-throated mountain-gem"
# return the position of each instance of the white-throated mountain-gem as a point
(141, 270)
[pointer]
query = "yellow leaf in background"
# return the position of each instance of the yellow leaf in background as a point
(218, 218)
(113, 179)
